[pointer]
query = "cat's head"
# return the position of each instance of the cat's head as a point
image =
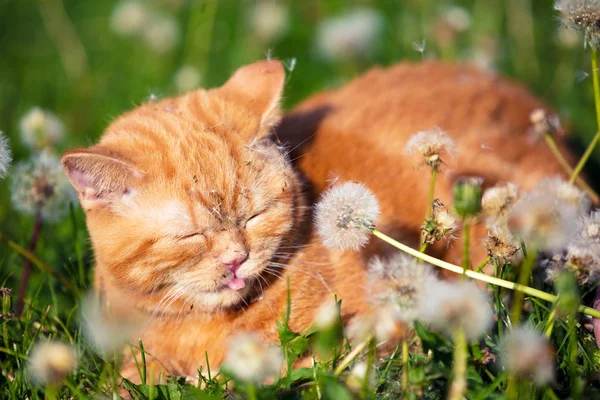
(187, 200)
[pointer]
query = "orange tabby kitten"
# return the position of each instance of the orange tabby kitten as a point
(198, 218)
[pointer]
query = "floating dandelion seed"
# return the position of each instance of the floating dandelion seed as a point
(129, 18)
(420, 46)
(41, 186)
(350, 35)
(528, 355)
(451, 306)
(582, 15)
(251, 359)
(187, 78)
(399, 282)
(268, 20)
(345, 216)
(430, 144)
(41, 129)
(51, 362)
(5, 155)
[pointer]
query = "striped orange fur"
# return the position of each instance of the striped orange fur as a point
(198, 218)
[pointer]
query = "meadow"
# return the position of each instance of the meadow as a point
(68, 67)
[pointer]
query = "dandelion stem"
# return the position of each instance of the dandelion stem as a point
(466, 263)
(251, 390)
(35, 260)
(483, 264)
(35, 235)
(540, 294)
(569, 170)
(524, 275)
(588, 152)
(431, 192)
(404, 365)
(350, 357)
(459, 381)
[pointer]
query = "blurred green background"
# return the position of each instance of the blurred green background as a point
(88, 61)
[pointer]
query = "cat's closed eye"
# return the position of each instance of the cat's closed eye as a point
(193, 236)
(254, 220)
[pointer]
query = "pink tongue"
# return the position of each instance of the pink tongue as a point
(236, 284)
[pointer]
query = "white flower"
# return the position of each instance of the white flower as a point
(345, 216)
(51, 362)
(161, 33)
(268, 20)
(251, 359)
(108, 326)
(543, 220)
(496, 201)
(40, 128)
(449, 306)
(327, 316)
(187, 78)
(400, 283)
(41, 186)
(129, 18)
(350, 35)
(5, 155)
(430, 144)
(528, 355)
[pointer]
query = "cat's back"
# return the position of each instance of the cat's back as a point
(359, 132)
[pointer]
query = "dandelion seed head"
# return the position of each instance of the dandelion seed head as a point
(458, 18)
(108, 326)
(566, 194)
(327, 316)
(349, 36)
(251, 359)
(441, 223)
(5, 155)
(187, 78)
(528, 355)
(358, 374)
(430, 144)
(129, 18)
(41, 186)
(543, 220)
(496, 201)
(51, 362)
(450, 306)
(544, 123)
(41, 129)
(583, 16)
(268, 20)
(501, 245)
(380, 323)
(583, 261)
(161, 34)
(345, 216)
(399, 283)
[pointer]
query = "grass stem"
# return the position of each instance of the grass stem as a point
(35, 235)
(459, 368)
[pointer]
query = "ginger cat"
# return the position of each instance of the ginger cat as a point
(198, 218)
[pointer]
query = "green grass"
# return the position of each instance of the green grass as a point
(117, 73)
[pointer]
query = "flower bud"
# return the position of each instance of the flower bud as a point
(467, 197)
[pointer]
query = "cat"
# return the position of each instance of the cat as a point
(199, 219)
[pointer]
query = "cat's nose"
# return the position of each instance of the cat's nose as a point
(233, 261)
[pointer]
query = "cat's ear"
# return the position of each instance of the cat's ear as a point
(100, 178)
(259, 87)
